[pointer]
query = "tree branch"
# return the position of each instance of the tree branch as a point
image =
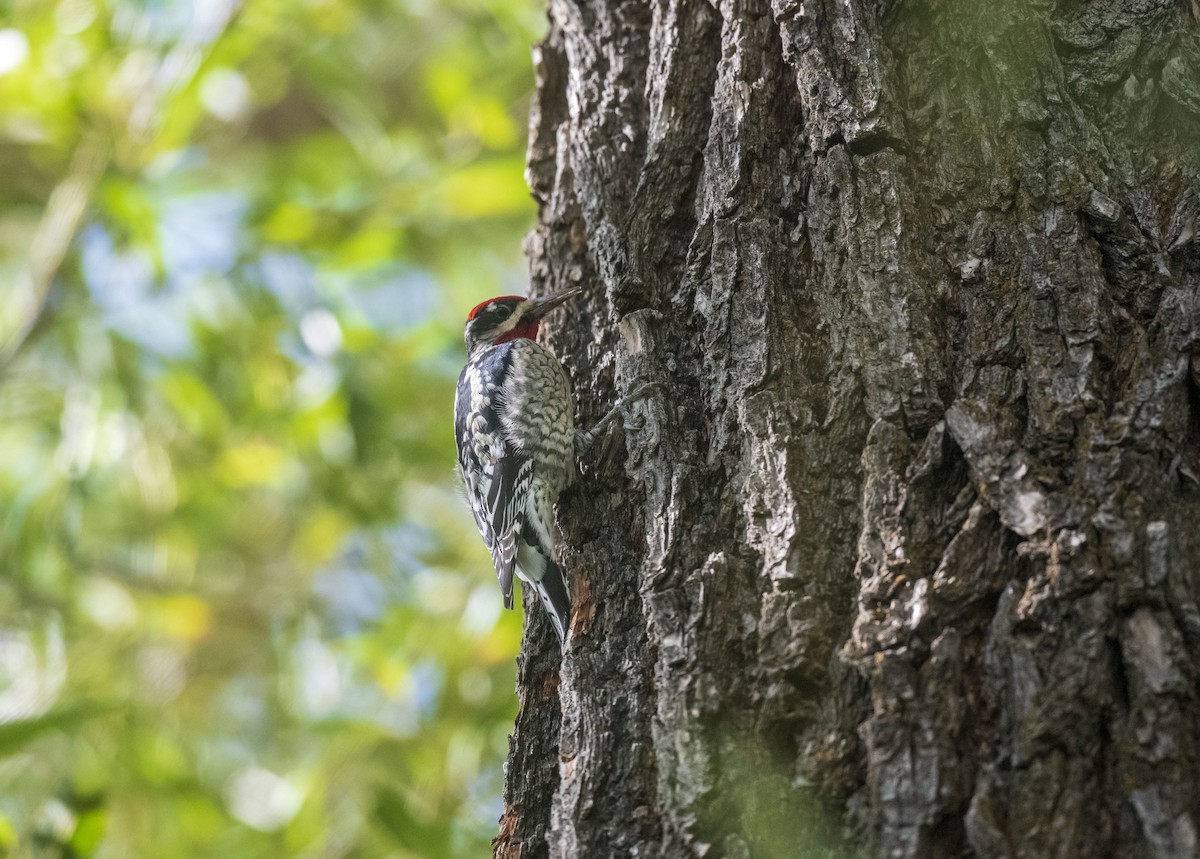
(51, 240)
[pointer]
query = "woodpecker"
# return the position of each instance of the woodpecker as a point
(514, 422)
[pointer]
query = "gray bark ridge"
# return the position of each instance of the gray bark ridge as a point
(904, 562)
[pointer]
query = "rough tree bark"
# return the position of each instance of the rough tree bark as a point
(905, 561)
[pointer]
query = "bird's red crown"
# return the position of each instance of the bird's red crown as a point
(478, 307)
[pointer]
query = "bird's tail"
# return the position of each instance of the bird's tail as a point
(552, 588)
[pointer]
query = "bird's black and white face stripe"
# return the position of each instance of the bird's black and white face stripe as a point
(494, 320)
(510, 317)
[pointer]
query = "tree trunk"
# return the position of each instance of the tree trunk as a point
(905, 559)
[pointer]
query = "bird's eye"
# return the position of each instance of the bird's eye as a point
(502, 312)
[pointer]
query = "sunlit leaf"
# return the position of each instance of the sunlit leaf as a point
(186, 617)
(487, 189)
(249, 463)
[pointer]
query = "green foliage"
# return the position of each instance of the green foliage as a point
(242, 610)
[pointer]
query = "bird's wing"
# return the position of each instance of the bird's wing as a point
(497, 477)
(506, 491)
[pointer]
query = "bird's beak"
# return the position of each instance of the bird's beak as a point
(539, 307)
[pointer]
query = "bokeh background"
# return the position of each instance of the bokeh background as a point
(243, 610)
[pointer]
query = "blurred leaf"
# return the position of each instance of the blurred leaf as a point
(484, 190)
(249, 463)
(18, 733)
(89, 830)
